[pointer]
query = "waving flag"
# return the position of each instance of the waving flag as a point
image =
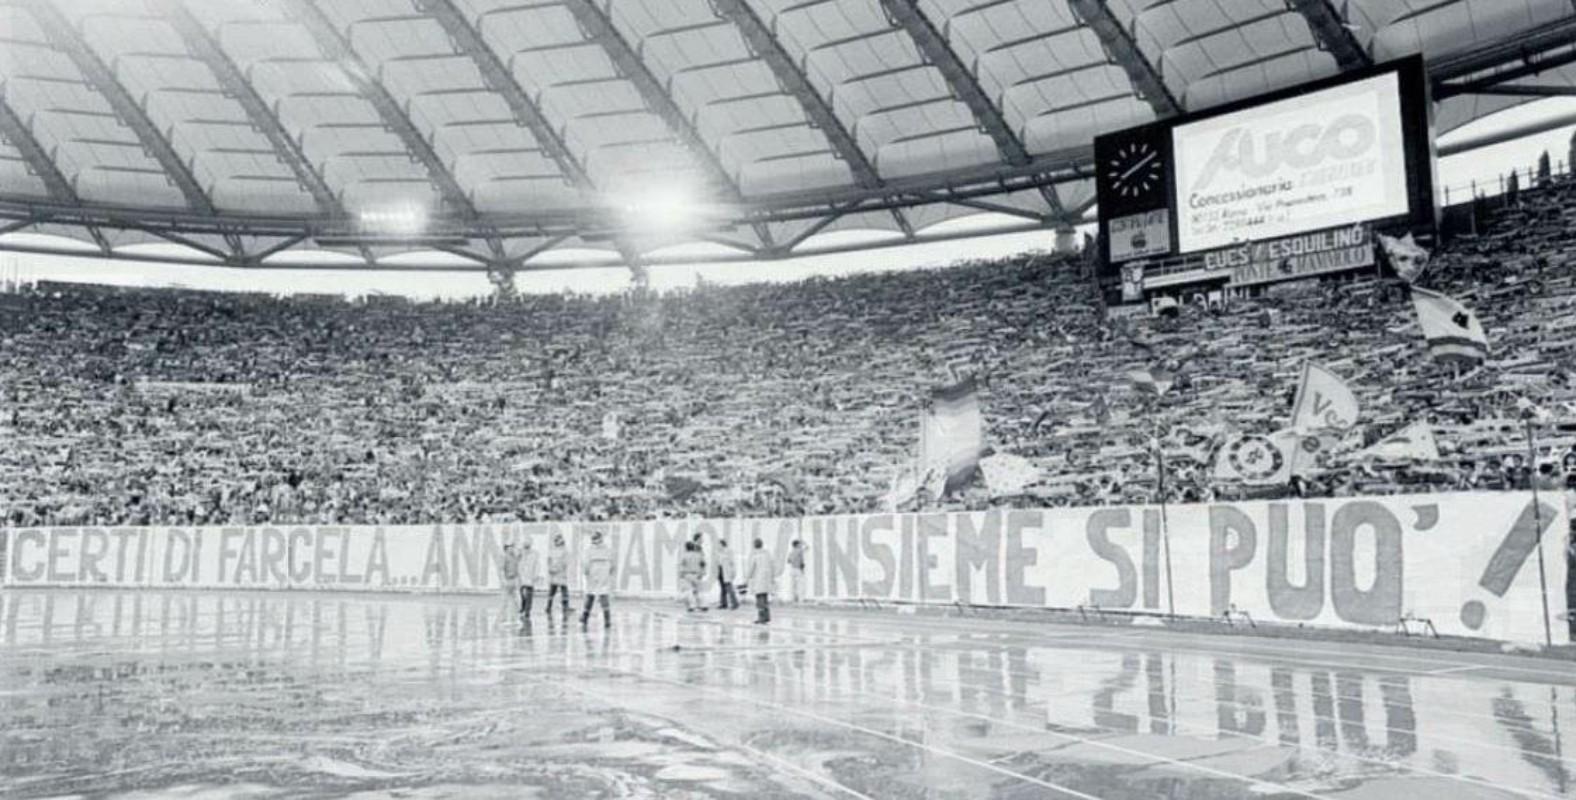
(1154, 381)
(1454, 333)
(1007, 474)
(905, 484)
(952, 433)
(1415, 442)
(1258, 459)
(1407, 258)
(1323, 401)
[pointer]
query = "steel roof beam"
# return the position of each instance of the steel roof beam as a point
(1330, 31)
(765, 254)
(500, 79)
(1507, 59)
(596, 24)
(965, 87)
(1528, 91)
(208, 50)
(1048, 169)
(763, 41)
(338, 49)
(63, 34)
(14, 130)
(1123, 50)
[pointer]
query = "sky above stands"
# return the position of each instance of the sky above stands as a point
(1457, 175)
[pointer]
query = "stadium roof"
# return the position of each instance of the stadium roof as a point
(499, 130)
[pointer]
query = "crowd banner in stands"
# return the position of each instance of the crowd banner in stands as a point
(1303, 255)
(1468, 562)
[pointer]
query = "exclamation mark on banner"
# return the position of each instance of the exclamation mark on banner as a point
(1512, 552)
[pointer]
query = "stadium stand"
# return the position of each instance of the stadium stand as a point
(179, 407)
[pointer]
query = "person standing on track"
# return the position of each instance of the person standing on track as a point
(796, 572)
(598, 572)
(728, 599)
(692, 570)
(509, 569)
(530, 569)
(558, 575)
(759, 577)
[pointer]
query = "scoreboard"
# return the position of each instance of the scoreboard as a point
(1330, 157)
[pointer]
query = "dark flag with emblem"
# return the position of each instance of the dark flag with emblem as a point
(1453, 332)
(682, 488)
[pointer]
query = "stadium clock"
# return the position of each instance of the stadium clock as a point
(1135, 170)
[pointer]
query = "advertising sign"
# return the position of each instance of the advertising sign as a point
(1140, 235)
(1323, 159)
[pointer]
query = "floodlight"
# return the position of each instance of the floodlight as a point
(400, 219)
(661, 209)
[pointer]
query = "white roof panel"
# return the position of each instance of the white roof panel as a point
(640, 93)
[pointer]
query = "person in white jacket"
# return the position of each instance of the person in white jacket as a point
(509, 578)
(728, 599)
(760, 574)
(558, 576)
(597, 566)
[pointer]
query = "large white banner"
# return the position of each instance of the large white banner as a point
(1325, 159)
(1467, 562)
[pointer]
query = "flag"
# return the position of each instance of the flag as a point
(1323, 401)
(680, 487)
(905, 484)
(1007, 475)
(1531, 410)
(789, 482)
(1453, 332)
(1038, 420)
(1407, 258)
(1258, 459)
(1101, 411)
(1415, 441)
(1154, 381)
(952, 434)
(610, 426)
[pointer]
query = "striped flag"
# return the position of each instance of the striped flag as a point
(1453, 332)
(951, 433)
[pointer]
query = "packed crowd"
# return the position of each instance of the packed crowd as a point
(177, 407)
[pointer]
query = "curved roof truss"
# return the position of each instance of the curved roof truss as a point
(247, 132)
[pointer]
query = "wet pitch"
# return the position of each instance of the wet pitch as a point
(196, 694)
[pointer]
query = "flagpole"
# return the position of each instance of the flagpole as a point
(1165, 525)
(1537, 520)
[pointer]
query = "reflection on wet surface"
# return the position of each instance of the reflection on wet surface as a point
(276, 695)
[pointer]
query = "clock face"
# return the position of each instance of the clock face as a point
(1135, 170)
